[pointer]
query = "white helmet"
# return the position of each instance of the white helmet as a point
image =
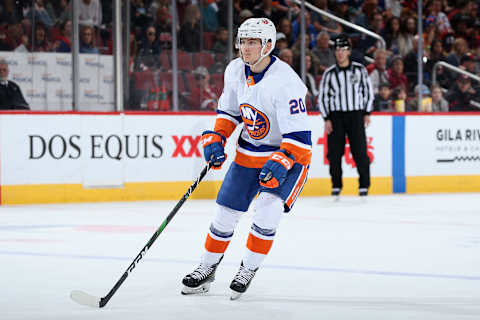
(258, 28)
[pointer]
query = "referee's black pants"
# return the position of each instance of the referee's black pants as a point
(349, 124)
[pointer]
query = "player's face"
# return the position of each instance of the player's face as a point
(250, 49)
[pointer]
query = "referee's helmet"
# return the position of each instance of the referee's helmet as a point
(342, 41)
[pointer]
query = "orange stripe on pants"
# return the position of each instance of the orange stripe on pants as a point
(296, 189)
(215, 246)
(258, 245)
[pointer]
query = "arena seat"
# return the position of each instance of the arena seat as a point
(208, 39)
(184, 60)
(203, 58)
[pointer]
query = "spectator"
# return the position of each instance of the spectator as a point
(203, 95)
(440, 19)
(463, 27)
(64, 41)
(459, 49)
(393, 8)
(437, 54)
(365, 17)
(11, 96)
(39, 42)
(139, 17)
(383, 102)
(133, 53)
(460, 95)
(399, 97)
(439, 104)
(323, 52)
(280, 44)
(346, 11)
(447, 43)
(38, 13)
(426, 105)
(321, 23)
(209, 15)
(244, 15)
(309, 28)
(311, 76)
(163, 26)
(266, 10)
(283, 8)
(357, 55)
(14, 37)
(86, 40)
(311, 72)
(223, 13)
(410, 63)
(379, 73)
(392, 33)
(90, 12)
(221, 41)
(468, 62)
(408, 29)
(285, 27)
(396, 77)
(286, 55)
(462, 14)
(190, 30)
(368, 44)
(148, 51)
(297, 47)
(60, 11)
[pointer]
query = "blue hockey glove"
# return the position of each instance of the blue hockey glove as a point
(213, 144)
(274, 172)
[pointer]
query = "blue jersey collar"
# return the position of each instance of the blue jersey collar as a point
(253, 79)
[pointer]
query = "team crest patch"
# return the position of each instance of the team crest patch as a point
(256, 122)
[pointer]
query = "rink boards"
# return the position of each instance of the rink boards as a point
(72, 157)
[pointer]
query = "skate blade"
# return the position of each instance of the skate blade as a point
(335, 198)
(204, 288)
(235, 295)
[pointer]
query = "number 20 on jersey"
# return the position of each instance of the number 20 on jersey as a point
(297, 106)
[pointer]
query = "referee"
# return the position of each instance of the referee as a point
(345, 101)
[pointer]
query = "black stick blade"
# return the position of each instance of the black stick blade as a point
(85, 299)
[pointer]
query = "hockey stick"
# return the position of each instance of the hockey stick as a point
(95, 302)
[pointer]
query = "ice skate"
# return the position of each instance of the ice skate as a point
(241, 281)
(200, 279)
(363, 192)
(336, 194)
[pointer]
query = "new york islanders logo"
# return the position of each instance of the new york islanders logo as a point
(256, 122)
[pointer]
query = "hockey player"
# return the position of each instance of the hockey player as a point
(272, 157)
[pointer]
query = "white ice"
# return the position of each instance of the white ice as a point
(390, 257)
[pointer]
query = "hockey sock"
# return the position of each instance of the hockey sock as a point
(220, 234)
(259, 244)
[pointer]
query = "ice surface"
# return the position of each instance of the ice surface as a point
(391, 257)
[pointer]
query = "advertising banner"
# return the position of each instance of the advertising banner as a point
(442, 145)
(108, 150)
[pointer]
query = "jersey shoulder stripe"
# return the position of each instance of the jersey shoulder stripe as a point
(304, 137)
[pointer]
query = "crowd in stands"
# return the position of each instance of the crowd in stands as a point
(451, 33)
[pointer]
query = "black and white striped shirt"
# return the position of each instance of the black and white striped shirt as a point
(345, 89)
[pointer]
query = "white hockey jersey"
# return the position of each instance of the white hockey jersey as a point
(271, 106)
